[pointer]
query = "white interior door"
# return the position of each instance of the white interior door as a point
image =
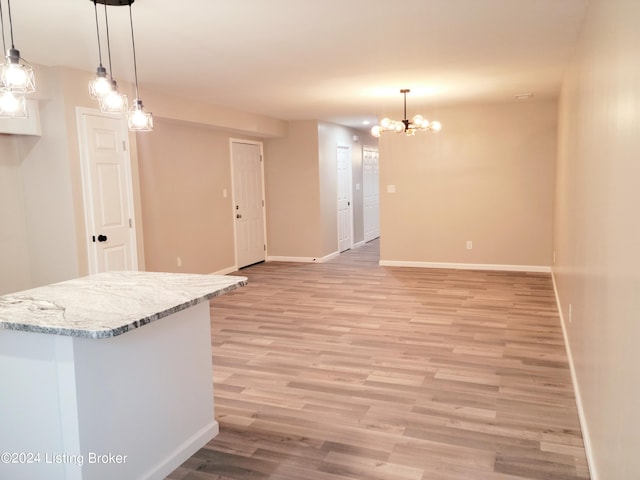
(248, 203)
(370, 193)
(344, 198)
(108, 192)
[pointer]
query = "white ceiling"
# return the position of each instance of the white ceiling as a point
(336, 60)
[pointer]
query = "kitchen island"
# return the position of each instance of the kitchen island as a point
(107, 376)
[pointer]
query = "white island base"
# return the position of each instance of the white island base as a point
(133, 406)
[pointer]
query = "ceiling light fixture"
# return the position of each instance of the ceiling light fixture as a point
(138, 119)
(106, 90)
(112, 101)
(16, 76)
(408, 127)
(99, 86)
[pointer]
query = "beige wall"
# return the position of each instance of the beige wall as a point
(488, 177)
(293, 192)
(301, 179)
(597, 232)
(184, 169)
(14, 251)
(50, 221)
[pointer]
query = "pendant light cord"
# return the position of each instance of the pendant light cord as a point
(4, 44)
(106, 21)
(10, 24)
(133, 42)
(95, 8)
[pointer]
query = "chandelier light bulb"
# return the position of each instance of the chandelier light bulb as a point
(417, 120)
(138, 119)
(9, 102)
(113, 101)
(376, 131)
(100, 85)
(385, 122)
(12, 105)
(15, 76)
(435, 126)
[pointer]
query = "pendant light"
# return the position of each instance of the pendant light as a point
(408, 127)
(16, 76)
(138, 119)
(112, 101)
(99, 86)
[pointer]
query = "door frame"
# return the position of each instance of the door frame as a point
(233, 140)
(87, 193)
(350, 196)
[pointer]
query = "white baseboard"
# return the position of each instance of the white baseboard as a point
(183, 452)
(467, 266)
(275, 258)
(225, 271)
(359, 244)
(586, 438)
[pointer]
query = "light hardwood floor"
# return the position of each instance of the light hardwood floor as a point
(349, 370)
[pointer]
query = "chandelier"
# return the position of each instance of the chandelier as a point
(408, 127)
(105, 89)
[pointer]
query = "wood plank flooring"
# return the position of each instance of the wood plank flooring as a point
(349, 370)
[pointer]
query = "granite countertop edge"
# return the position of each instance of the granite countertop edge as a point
(126, 327)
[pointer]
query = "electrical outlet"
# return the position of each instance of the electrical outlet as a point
(469, 244)
(179, 261)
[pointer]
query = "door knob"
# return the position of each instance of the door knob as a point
(102, 238)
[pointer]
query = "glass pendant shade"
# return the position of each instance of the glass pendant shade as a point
(138, 119)
(113, 101)
(13, 105)
(101, 85)
(15, 75)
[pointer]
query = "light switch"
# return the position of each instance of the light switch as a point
(391, 189)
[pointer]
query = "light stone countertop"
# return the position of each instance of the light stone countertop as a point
(109, 304)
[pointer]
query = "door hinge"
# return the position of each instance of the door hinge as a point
(263, 203)
(130, 224)
(124, 145)
(265, 247)
(260, 157)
